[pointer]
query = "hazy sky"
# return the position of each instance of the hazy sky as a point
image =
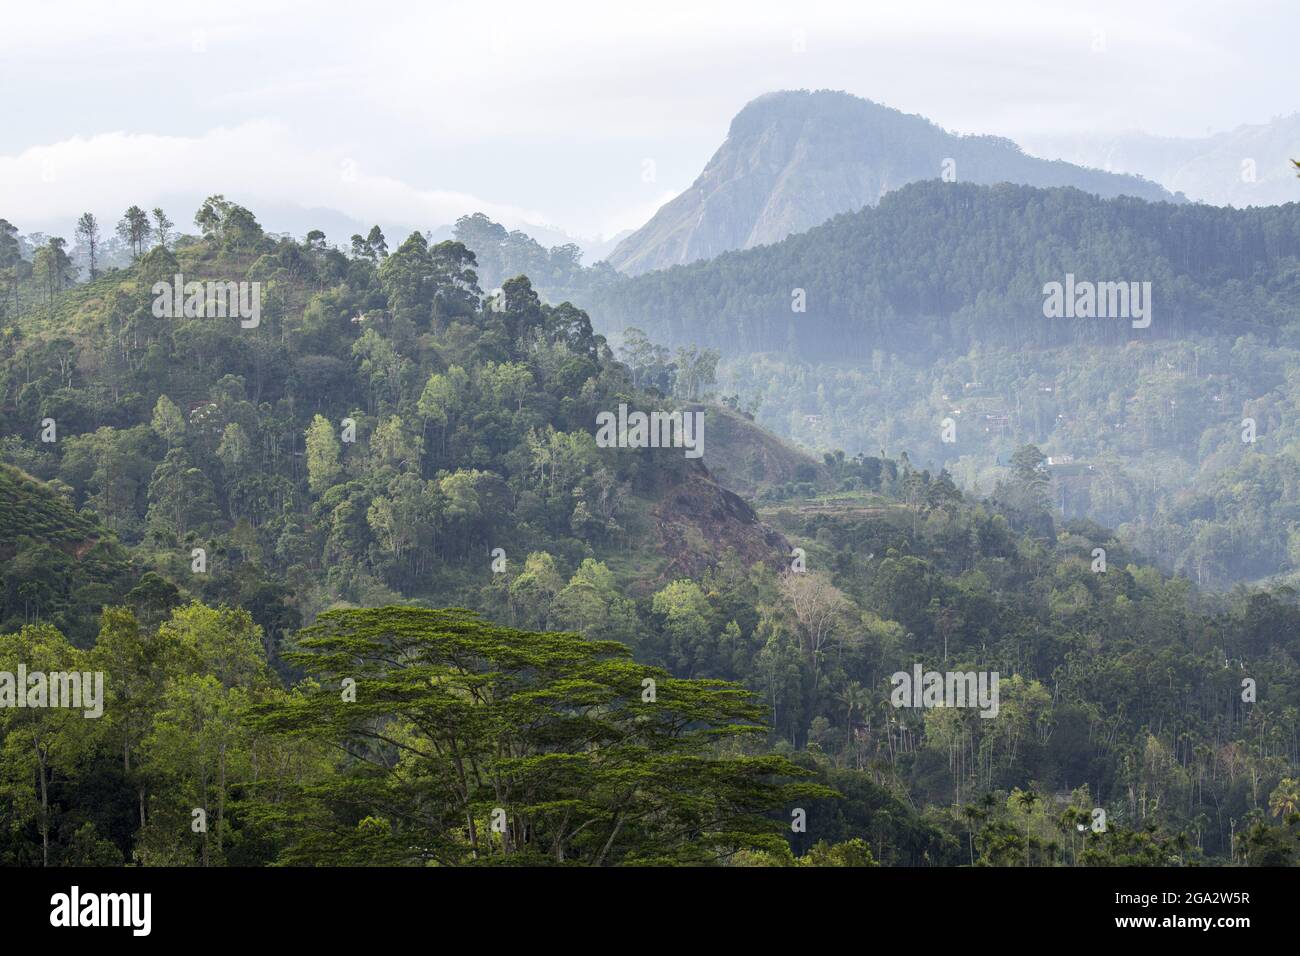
(546, 112)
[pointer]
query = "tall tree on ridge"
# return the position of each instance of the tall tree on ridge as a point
(88, 235)
(134, 229)
(162, 226)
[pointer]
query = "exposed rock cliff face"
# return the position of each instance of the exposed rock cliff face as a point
(697, 521)
(792, 160)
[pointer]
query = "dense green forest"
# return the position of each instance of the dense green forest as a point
(1189, 449)
(871, 332)
(365, 589)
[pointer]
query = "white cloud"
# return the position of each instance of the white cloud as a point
(255, 163)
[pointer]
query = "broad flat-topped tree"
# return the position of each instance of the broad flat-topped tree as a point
(469, 743)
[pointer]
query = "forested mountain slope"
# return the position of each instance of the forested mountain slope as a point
(938, 267)
(314, 495)
(381, 430)
(929, 309)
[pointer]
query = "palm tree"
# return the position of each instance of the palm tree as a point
(1073, 820)
(1025, 799)
(973, 815)
(853, 697)
(1285, 800)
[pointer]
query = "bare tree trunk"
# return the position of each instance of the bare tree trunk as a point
(45, 812)
(604, 851)
(221, 798)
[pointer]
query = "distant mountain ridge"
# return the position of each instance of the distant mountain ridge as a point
(794, 159)
(939, 267)
(1246, 166)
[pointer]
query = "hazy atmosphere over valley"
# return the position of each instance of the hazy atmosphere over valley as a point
(710, 436)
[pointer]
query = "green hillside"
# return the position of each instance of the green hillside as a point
(31, 509)
(925, 332)
(938, 268)
(345, 553)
